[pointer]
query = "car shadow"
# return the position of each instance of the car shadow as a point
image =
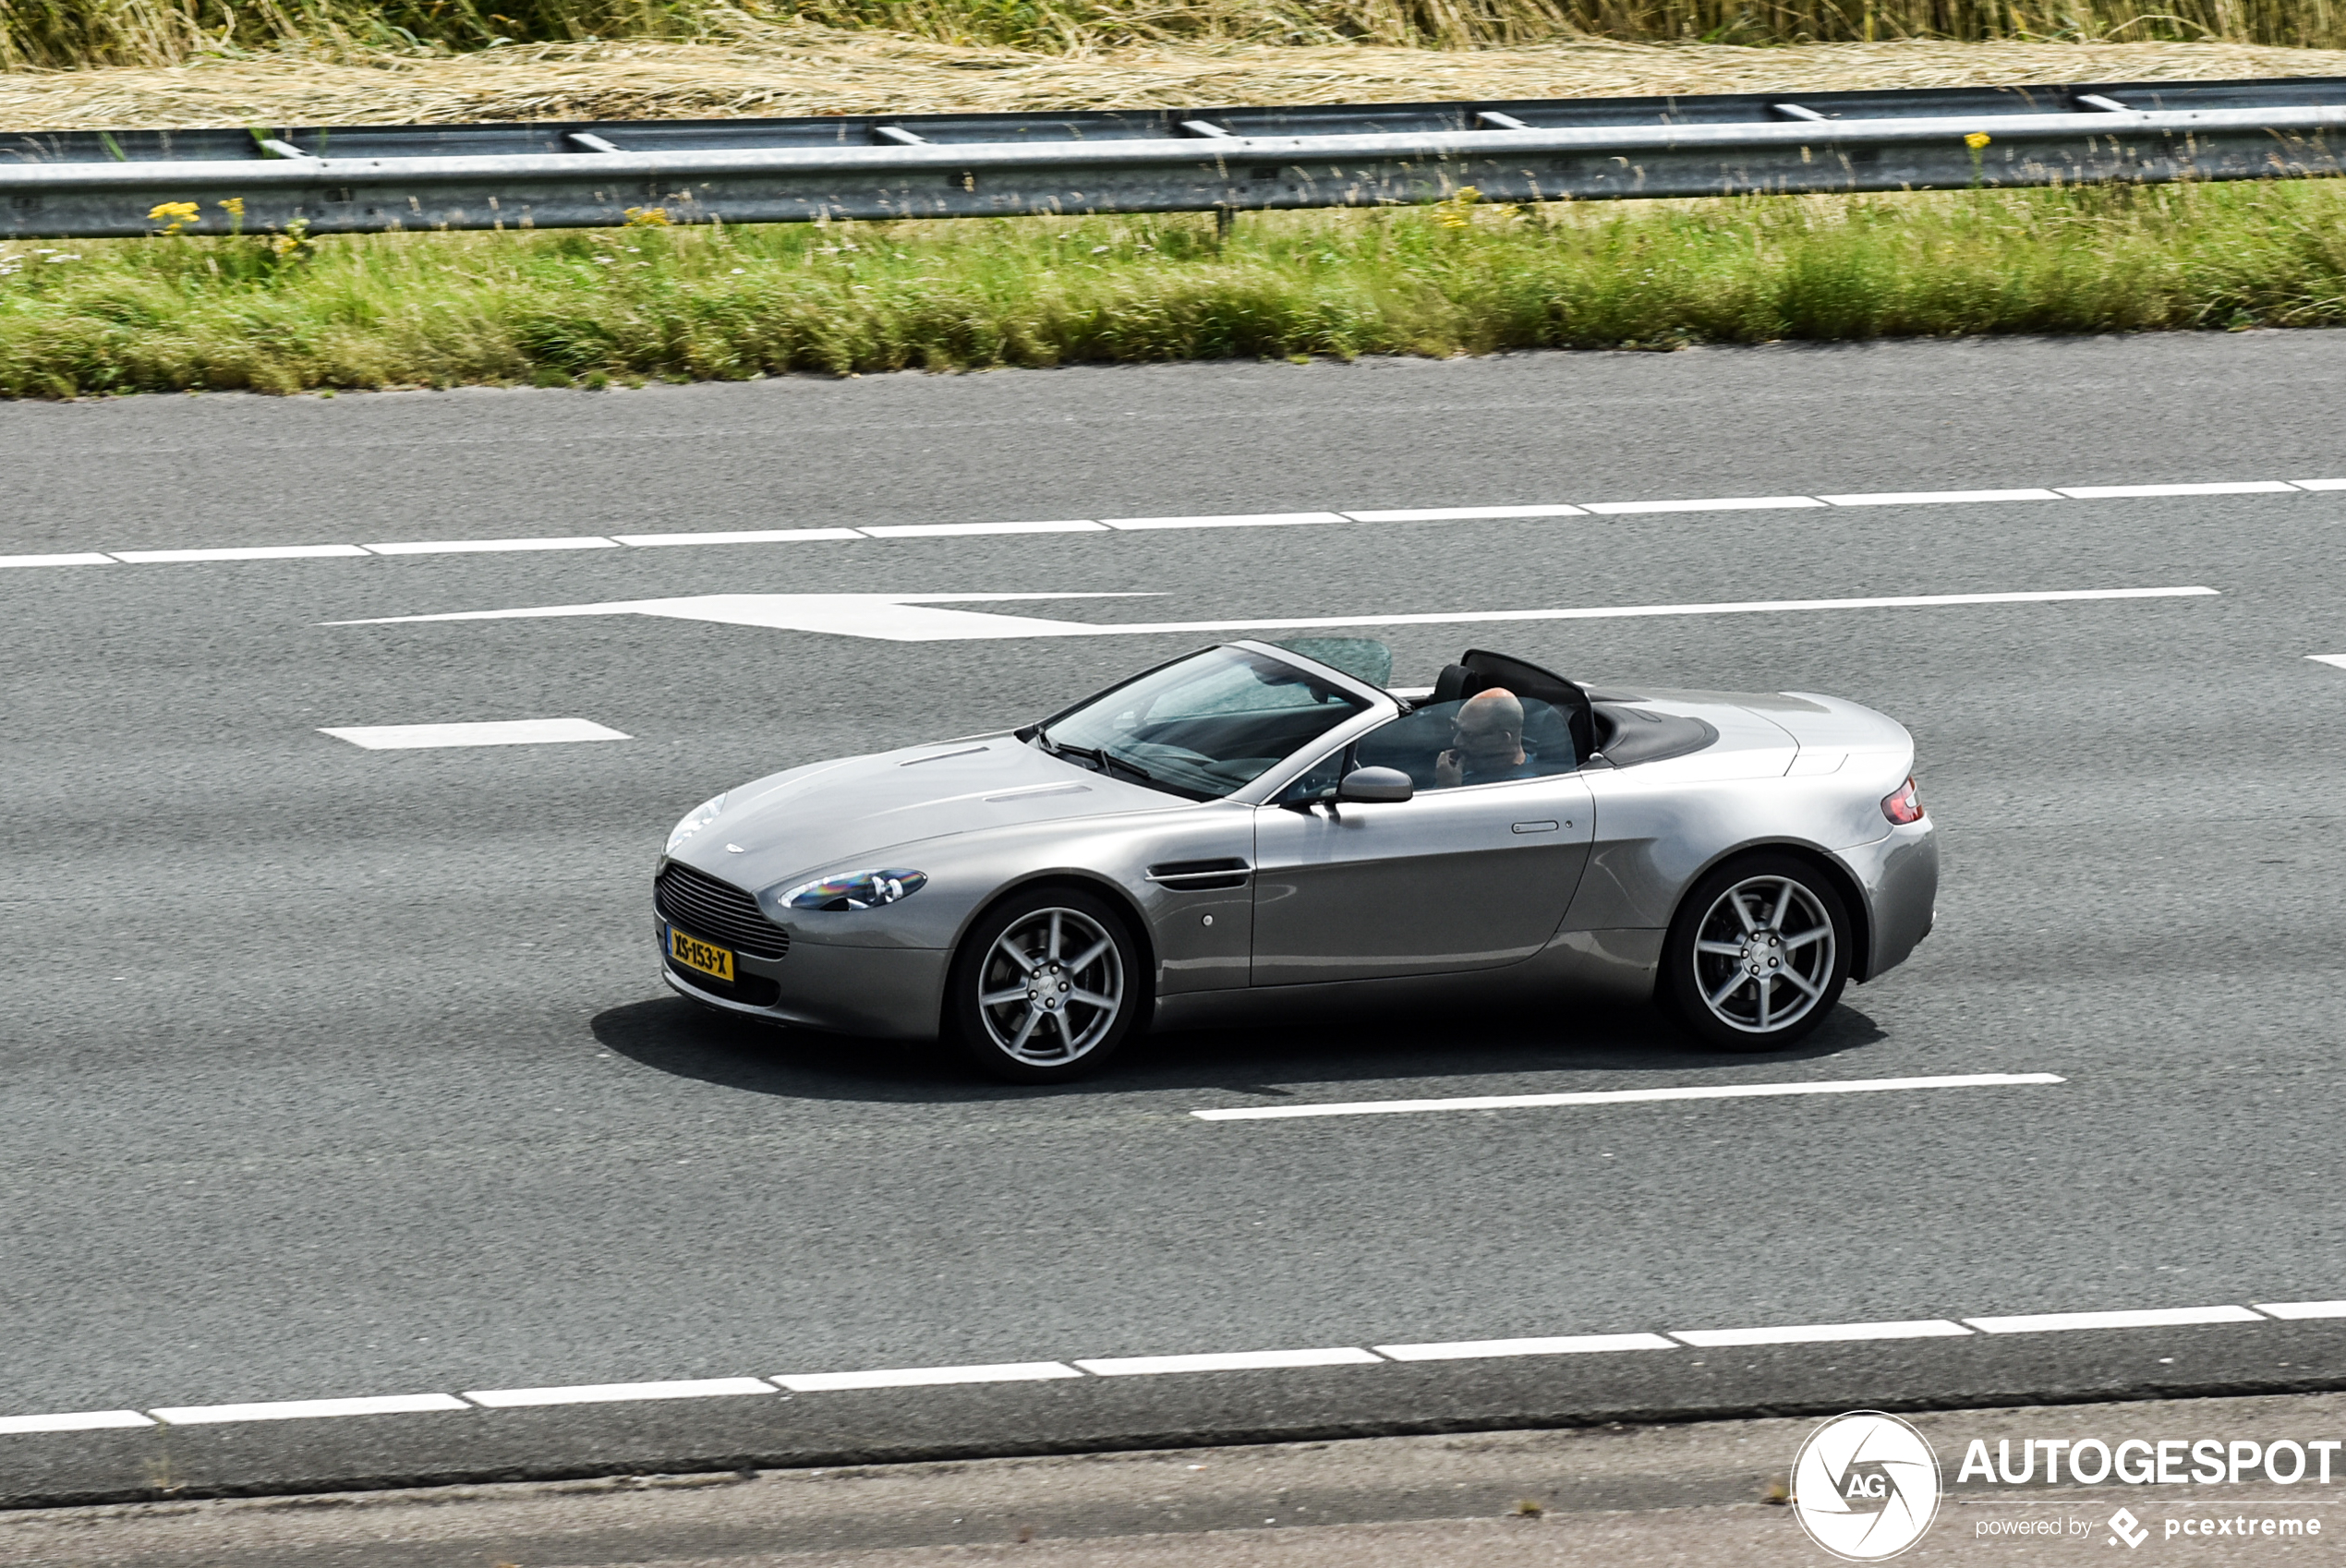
(671, 1035)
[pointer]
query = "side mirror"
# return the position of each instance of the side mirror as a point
(1375, 784)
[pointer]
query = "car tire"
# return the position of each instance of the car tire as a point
(1741, 968)
(1045, 986)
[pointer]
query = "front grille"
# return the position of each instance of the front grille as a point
(717, 912)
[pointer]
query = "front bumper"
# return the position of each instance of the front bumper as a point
(1899, 875)
(886, 993)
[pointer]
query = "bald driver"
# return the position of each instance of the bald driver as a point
(1486, 742)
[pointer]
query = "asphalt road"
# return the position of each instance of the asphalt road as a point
(333, 1072)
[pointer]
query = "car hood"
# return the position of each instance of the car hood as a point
(816, 819)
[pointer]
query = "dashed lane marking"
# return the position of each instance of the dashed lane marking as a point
(953, 530)
(75, 1421)
(1937, 497)
(2129, 492)
(1465, 514)
(1243, 520)
(1740, 503)
(478, 547)
(499, 733)
(307, 1409)
(1622, 1096)
(737, 537)
(1122, 525)
(1563, 1345)
(1228, 1361)
(929, 1377)
(86, 557)
(1822, 1333)
(2159, 1318)
(610, 1394)
(251, 552)
(1143, 1366)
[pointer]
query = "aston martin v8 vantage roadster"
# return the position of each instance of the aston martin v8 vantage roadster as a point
(1262, 828)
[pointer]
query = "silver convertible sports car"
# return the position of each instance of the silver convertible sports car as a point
(1262, 828)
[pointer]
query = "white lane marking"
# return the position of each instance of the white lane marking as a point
(1465, 514)
(473, 547)
(2338, 660)
(500, 732)
(75, 1421)
(1023, 1371)
(307, 1409)
(86, 557)
(950, 530)
(1740, 503)
(1412, 514)
(929, 1377)
(2118, 492)
(1823, 1334)
(1566, 1344)
(607, 1393)
(2154, 1318)
(737, 537)
(1247, 520)
(251, 552)
(1234, 1361)
(1621, 613)
(908, 618)
(1935, 498)
(1622, 1096)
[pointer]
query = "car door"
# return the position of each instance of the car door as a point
(1465, 877)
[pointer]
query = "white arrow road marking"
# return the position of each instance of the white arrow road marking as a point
(2338, 660)
(894, 618)
(908, 618)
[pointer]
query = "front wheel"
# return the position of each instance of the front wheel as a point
(1758, 955)
(1045, 987)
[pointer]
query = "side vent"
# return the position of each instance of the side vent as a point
(1200, 877)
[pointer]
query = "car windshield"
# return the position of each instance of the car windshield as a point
(1203, 726)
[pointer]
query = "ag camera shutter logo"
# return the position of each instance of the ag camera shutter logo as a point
(1864, 1485)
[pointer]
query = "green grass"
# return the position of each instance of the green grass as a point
(588, 307)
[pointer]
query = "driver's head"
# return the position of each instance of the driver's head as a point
(1489, 727)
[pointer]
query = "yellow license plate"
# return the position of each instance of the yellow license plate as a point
(694, 953)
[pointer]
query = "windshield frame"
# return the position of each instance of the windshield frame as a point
(1379, 706)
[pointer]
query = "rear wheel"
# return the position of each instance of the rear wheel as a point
(1045, 987)
(1759, 953)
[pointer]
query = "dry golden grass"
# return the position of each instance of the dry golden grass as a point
(809, 70)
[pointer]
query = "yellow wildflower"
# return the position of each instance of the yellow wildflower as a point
(175, 215)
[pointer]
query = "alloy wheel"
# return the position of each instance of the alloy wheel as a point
(1763, 955)
(1051, 987)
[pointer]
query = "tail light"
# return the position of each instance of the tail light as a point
(1902, 805)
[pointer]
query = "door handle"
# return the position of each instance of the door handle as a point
(1548, 826)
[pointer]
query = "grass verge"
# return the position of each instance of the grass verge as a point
(67, 34)
(811, 70)
(588, 307)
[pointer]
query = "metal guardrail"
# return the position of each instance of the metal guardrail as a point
(560, 175)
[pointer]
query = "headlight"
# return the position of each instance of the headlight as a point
(700, 816)
(857, 891)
